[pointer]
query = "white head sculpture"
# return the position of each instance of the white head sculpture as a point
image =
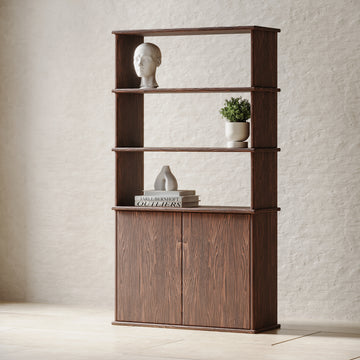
(147, 57)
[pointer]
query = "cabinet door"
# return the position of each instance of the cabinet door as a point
(148, 267)
(216, 270)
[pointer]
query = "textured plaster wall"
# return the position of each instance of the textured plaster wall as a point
(57, 129)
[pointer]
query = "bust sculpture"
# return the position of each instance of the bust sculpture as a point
(147, 57)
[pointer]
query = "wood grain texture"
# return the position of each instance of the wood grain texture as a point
(193, 149)
(199, 209)
(203, 328)
(263, 120)
(263, 58)
(264, 270)
(216, 270)
(263, 180)
(194, 90)
(210, 267)
(129, 107)
(148, 267)
(263, 74)
(195, 31)
(129, 177)
(125, 75)
(129, 120)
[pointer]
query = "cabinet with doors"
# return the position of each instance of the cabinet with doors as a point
(209, 267)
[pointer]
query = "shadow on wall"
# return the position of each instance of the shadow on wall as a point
(14, 101)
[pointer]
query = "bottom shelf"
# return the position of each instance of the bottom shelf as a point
(203, 209)
(190, 327)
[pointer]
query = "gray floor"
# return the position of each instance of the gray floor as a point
(38, 331)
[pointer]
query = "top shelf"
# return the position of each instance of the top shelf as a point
(195, 31)
(195, 90)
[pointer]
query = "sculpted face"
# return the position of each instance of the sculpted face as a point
(144, 62)
(147, 58)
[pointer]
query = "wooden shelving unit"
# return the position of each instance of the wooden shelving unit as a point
(211, 267)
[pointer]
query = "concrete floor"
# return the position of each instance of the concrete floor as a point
(38, 331)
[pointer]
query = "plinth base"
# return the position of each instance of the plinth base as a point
(190, 327)
(237, 144)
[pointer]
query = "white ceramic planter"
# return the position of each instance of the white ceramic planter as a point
(236, 133)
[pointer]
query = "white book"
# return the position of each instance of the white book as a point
(184, 199)
(169, 193)
(175, 204)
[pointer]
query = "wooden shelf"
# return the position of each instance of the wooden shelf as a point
(195, 31)
(193, 149)
(200, 209)
(194, 90)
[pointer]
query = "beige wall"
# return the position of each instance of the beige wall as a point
(57, 130)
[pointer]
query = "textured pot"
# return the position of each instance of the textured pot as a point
(166, 180)
(236, 133)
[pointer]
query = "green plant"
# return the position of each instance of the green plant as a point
(236, 109)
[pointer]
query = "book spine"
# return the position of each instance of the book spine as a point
(175, 204)
(190, 198)
(168, 193)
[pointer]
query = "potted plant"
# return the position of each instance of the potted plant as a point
(236, 111)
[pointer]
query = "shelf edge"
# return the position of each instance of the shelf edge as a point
(194, 90)
(205, 209)
(220, 30)
(192, 149)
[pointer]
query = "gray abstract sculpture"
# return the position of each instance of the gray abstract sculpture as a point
(165, 181)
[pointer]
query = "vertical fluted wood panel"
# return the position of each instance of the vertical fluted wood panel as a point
(263, 119)
(263, 180)
(125, 76)
(216, 270)
(263, 58)
(148, 267)
(263, 74)
(264, 270)
(129, 177)
(129, 122)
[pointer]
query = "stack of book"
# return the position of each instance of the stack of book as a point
(175, 198)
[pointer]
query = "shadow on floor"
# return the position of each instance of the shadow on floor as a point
(330, 329)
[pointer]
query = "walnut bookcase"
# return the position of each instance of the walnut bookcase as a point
(211, 267)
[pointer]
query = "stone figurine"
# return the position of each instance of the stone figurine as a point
(147, 57)
(166, 181)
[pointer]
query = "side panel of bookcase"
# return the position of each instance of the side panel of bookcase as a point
(264, 180)
(263, 119)
(264, 270)
(263, 58)
(263, 74)
(148, 267)
(129, 122)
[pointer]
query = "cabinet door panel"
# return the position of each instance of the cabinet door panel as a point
(148, 272)
(216, 270)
